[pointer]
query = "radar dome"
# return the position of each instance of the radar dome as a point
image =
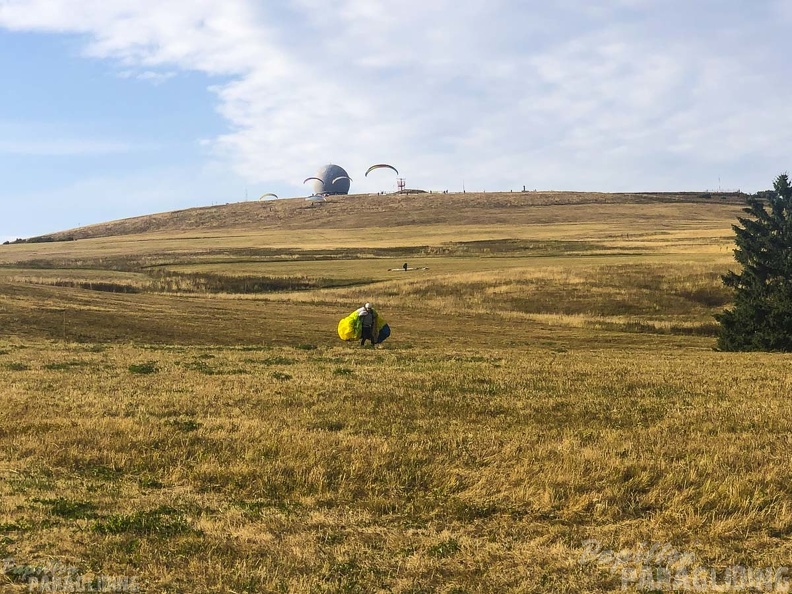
(335, 180)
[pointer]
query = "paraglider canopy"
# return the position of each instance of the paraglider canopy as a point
(267, 194)
(381, 166)
(350, 327)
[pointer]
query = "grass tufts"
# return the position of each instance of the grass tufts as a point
(143, 368)
(14, 366)
(66, 365)
(184, 425)
(444, 549)
(163, 522)
(69, 509)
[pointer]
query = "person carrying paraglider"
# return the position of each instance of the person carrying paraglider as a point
(364, 324)
(368, 321)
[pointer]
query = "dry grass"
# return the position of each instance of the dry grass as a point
(397, 222)
(336, 469)
(550, 379)
(367, 211)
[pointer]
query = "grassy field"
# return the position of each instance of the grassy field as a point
(179, 415)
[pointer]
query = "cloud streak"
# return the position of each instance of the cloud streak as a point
(608, 95)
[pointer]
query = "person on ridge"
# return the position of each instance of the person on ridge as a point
(368, 319)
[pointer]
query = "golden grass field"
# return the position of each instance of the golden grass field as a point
(179, 415)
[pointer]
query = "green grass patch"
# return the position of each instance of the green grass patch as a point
(275, 360)
(257, 508)
(163, 521)
(69, 509)
(328, 425)
(144, 368)
(18, 526)
(65, 365)
(17, 366)
(201, 366)
(149, 482)
(446, 548)
(184, 425)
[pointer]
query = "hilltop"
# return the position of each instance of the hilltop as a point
(388, 210)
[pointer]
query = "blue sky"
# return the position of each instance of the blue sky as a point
(113, 108)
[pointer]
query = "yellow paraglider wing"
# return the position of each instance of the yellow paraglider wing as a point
(349, 327)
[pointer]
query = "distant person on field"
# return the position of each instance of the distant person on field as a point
(405, 267)
(368, 319)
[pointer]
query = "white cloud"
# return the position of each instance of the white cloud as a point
(615, 94)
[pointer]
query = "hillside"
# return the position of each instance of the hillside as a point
(361, 211)
(175, 384)
(650, 262)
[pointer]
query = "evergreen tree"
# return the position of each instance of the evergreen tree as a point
(761, 319)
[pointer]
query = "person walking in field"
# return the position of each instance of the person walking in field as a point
(368, 319)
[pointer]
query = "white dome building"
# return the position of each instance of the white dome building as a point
(330, 174)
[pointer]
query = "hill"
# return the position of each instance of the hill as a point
(246, 269)
(346, 212)
(179, 411)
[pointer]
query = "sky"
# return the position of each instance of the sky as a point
(116, 108)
